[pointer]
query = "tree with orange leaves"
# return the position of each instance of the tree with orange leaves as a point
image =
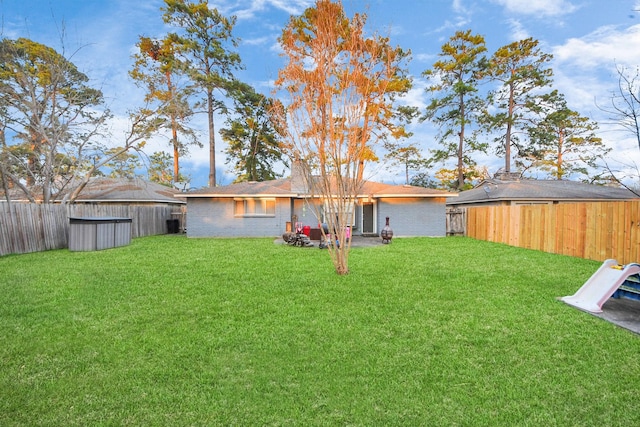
(341, 85)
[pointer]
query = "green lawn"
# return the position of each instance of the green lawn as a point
(177, 331)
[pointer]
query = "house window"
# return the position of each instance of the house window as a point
(255, 207)
(332, 207)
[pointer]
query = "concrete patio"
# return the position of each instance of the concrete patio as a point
(623, 312)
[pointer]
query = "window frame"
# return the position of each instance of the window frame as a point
(254, 207)
(330, 206)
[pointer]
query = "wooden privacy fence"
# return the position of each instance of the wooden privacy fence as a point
(38, 227)
(594, 230)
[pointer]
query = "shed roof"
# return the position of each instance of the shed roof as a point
(530, 190)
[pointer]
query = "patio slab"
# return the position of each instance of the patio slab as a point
(356, 241)
(623, 312)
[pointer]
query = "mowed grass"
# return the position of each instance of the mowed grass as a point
(177, 331)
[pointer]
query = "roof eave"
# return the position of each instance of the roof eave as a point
(406, 196)
(542, 199)
(312, 196)
(227, 196)
(164, 201)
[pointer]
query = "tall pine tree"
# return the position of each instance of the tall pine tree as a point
(456, 103)
(522, 69)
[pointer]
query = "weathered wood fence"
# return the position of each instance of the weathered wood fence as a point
(597, 230)
(456, 222)
(39, 227)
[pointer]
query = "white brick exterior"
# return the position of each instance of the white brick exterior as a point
(412, 217)
(215, 217)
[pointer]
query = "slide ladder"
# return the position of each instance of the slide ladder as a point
(630, 289)
(601, 286)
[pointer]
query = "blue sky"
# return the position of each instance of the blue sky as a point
(587, 38)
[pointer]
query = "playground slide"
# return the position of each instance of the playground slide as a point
(599, 288)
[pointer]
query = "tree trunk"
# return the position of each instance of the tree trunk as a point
(174, 133)
(340, 253)
(341, 265)
(507, 138)
(461, 145)
(406, 173)
(559, 170)
(176, 154)
(212, 140)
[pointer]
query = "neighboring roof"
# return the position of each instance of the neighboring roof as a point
(124, 190)
(113, 190)
(282, 188)
(529, 190)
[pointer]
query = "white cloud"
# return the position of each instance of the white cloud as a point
(585, 72)
(249, 10)
(585, 67)
(458, 7)
(417, 96)
(602, 48)
(449, 26)
(425, 57)
(518, 32)
(463, 10)
(581, 92)
(257, 41)
(539, 8)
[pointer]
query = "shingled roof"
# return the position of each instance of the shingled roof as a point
(124, 190)
(111, 190)
(530, 190)
(282, 188)
(272, 188)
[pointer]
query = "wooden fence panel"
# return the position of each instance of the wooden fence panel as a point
(594, 230)
(456, 220)
(30, 227)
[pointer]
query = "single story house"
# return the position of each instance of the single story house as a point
(509, 192)
(269, 208)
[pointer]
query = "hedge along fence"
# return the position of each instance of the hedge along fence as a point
(593, 230)
(31, 227)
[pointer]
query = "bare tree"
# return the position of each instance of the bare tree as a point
(58, 124)
(142, 124)
(53, 116)
(624, 111)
